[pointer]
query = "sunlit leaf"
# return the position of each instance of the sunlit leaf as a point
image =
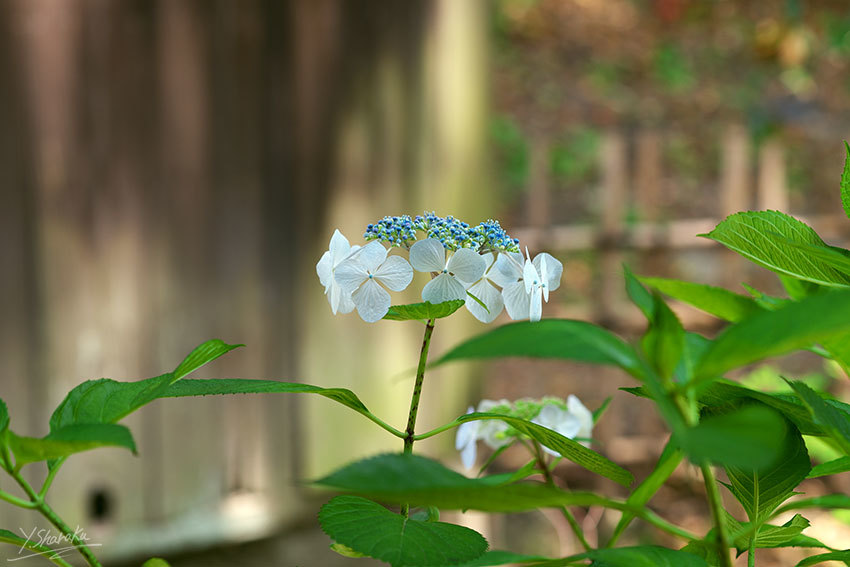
(423, 311)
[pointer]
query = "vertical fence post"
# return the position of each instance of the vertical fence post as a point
(539, 184)
(734, 191)
(612, 198)
(772, 186)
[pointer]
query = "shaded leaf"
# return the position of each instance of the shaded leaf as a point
(833, 421)
(369, 528)
(69, 440)
(664, 342)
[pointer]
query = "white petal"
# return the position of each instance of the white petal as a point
(490, 296)
(517, 301)
(372, 301)
(346, 304)
(489, 260)
(554, 269)
(339, 247)
(467, 265)
(371, 256)
(467, 432)
(395, 273)
(350, 274)
(443, 288)
(509, 265)
(530, 276)
(486, 405)
(559, 420)
(584, 416)
(428, 255)
(467, 455)
(535, 310)
(325, 271)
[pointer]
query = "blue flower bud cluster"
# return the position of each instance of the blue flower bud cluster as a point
(451, 232)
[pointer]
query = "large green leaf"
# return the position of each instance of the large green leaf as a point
(761, 492)
(638, 556)
(549, 338)
(824, 557)
(836, 466)
(423, 311)
(108, 401)
(749, 437)
(371, 529)
(569, 449)
(419, 481)
(664, 341)
(670, 458)
(717, 301)
(769, 333)
(835, 422)
(759, 236)
(38, 549)
(845, 181)
(69, 440)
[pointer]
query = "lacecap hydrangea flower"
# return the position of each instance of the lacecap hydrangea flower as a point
(480, 264)
(571, 419)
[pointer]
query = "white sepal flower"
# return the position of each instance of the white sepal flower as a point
(466, 440)
(485, 290)
(361, 273)
(454, 273)
(584, 416)
(559, 420)
(338, 250)
(528, 283)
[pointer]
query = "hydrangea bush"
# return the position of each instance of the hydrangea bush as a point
(390, 504)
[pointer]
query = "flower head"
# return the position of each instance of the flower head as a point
(361, 273)
(527, 283)
(486, 291)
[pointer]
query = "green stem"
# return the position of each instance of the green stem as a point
(571, 519)
(51, 474)
(410, 431)
(751, 553)
(53, 518)
(385, 425)
(20, 502)
(718, 514)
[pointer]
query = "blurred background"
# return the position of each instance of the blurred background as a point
(171, 171)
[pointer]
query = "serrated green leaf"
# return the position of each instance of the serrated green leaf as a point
(794, 326)
(664, 342)
(108, 401)
(769, 536)
(638, 556)
(371, 529)
(567, 448)
(833, 421)
(845, 181)
(423, 311)
(717, 301)
(51, 555)
(760, 493)
(69, 440)
(758, 236)
(549, 338)
(670, 458)
(836, 466)
(419, 481)
(824, 557)
(749, 437)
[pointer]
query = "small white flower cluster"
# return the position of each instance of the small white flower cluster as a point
(571, 419)
(356, 277)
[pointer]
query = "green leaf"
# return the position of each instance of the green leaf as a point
(641, 556)
(155, 562)
(108, 401)
(639, 294)
(423, 311)
(717, 301)
(828, 502)
(695, 347)
(773, 536)
(69, 440)
(549, 338)
(567, 448)
(833, 421)
(760, 493)
(845, 181)
(4, 417)
(51, 555)
(664, 342)
(823, 557)
(667, 463)
(765, 301)
(837, 466)
(496, 557)
(346, 551)
(371, 529)
(769, 333)
(748, 437)
(758, 236)
(419, 481)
